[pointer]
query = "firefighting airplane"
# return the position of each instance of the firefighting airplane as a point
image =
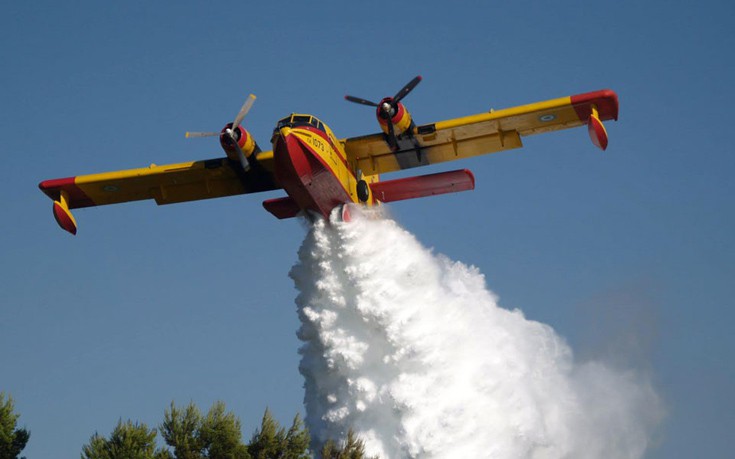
(320, 172)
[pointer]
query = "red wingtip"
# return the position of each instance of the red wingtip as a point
(52, 187)
(605, 100)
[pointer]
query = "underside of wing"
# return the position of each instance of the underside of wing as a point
(484, 133)
(168, 184)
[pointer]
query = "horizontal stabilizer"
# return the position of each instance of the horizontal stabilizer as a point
(282, 207)
(424, 185)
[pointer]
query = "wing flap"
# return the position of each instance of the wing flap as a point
(441, 147)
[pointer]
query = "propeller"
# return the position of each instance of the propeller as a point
(388, 103)
(388, 106)
(406, 89)
(190, 135)
(359, 100)
(231, 131)
(243, 111)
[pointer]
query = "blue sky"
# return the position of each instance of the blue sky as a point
(628, 254)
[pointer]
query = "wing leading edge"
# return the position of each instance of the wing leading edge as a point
(485, 133)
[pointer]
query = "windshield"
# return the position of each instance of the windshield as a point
(300, 120)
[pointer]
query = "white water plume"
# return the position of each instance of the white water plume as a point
(412, 351)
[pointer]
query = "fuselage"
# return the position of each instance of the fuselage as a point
(312, 167)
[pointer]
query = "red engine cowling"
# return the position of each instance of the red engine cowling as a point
(399, 116)
(244, 140)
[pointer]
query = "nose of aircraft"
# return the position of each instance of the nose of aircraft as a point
(281, 140)
(283, 132)
(290, 158)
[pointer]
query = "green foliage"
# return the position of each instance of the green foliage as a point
(216, 435)
(180, 430)
(221, 434)
(297, 440)
(272, 441)
(12, 439)
(128, 441)
(352, 448)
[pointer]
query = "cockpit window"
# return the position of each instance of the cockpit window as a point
(284, 122)
(300, 120)
(317, 124)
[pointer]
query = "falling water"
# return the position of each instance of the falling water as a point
(412, 351)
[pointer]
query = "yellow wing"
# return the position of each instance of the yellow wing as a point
(484, 133)
(167, 184)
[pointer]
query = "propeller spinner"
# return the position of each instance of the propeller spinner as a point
(232, 134)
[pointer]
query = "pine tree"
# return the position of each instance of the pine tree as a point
(221, 434)
(352, 448)
(128, 440)
(264, 443)
(218, 435)
(181, 431)
(12, 439)
(297, 440)
(273, 442)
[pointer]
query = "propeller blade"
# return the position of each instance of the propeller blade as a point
(189, 135)
(406, 89)
(359, 100)
(243, 111)
(243, 159)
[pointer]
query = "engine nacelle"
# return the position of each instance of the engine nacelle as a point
(399, 116)
(244, 140)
